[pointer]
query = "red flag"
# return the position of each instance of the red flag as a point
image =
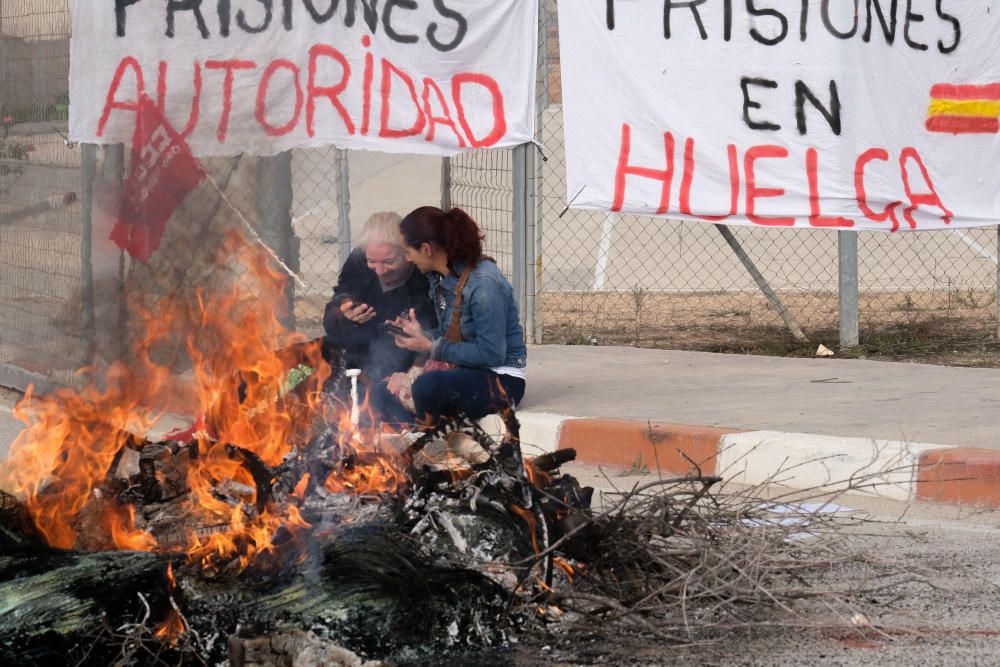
(163, 172)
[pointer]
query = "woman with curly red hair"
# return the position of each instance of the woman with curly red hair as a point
(479, 340)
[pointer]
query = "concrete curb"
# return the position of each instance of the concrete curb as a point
(889, 468)
(960, 475)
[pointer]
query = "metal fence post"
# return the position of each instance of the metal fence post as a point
(88, 172)
(534, 186)
(519, 223)
(446, 184)
(847, 253)
(786, 315)
(108, 263)
(604, 251)
(531, 228)
(344, 205)
(536, 306)
(274, 218)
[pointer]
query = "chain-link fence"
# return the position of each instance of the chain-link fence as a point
(41, 228)
(334, 193)
(583, 277)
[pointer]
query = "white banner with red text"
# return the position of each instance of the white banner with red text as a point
(836, 114)
(264, 76)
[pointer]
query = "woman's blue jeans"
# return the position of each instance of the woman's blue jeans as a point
(474, 392)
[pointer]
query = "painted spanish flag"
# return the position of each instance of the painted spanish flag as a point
(967, 109)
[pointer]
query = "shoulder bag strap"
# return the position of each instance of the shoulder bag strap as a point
(454, 333)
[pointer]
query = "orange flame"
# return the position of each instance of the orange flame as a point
(537, 478)
(119, 523)
(565, 567)
(375, 471)
(173, 628)
(300, 488)
(529, 519)
(63, 457)
(382, 475)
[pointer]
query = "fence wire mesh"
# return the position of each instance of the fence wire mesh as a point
(482, 184)
(41, 228)
(328, 218)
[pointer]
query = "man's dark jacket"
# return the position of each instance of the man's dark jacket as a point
(369, 346)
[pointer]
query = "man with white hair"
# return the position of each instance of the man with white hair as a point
(377, 283)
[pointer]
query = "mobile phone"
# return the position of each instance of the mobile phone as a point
(393, 329)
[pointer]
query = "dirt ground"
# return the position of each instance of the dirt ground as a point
(956, 328)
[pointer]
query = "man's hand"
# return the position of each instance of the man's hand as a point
(413, 337)
(360, 313)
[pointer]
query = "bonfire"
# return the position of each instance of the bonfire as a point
(279, 508)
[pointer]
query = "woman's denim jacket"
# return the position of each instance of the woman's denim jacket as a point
(491, 328)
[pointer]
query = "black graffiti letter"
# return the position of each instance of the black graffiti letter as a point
(321, 17)
(225, 17)
(912, 17)
(120, 6)
(832, 115)
(888, 30)
(609, 14)
(387, 21)
(692, 5)
(748, 104)
(825, 11)
(957, 26)
(370, 8)
(241, 18)
(185, 6)
(755, 11)
(461, 21)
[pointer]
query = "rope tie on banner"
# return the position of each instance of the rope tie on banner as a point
(541, 149)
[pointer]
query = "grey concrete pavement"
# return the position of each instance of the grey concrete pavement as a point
(852, 398)
(9, 425)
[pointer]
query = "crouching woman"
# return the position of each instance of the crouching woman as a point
(478, 347)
